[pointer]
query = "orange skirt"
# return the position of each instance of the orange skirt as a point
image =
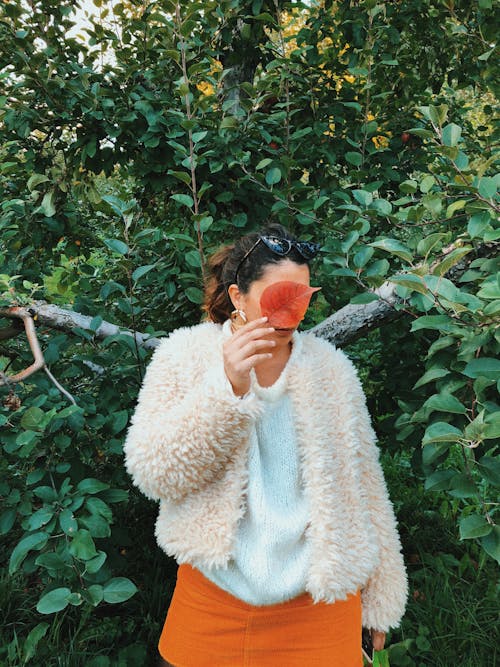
(207, 627)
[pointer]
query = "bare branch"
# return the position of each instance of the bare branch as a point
(67, 320)
(355, 320)
(29, 326)
(39, 361)
(59, 386)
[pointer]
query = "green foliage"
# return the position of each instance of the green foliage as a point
(129, 155)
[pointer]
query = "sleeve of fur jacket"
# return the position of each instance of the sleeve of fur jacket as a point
(187, 422)
(385, 594)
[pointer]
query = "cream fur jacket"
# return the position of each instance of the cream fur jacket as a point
(187, 447)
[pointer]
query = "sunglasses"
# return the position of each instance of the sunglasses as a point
(281, 247)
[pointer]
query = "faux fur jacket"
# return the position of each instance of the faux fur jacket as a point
(187, 446)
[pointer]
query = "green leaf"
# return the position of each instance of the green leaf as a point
(263, 163)
(32, 419)
(115, 245)
(119, 421)
(451, 259)
(35, 542)
(273, 176)
(94, 325)
(228, 122)
(363, 256)
(199, 136)
(93, 594)
(461, 486)
(491, 543)
(68, 522)
(378, 268)
(474, 525)
(98, 506)
(36, 179)
(51, 561)
(94, 564)
(487, 187)
(320, 201)
(445, 402)
(393, 247)
(441, 432)
(365, 297)
(409, 186)
(118, 589)
(299, 134)
(430, 376)
(490, 469)
(433, 451)
(183, 176)
(364, 197)
(410, 281)
(185, 200)
(47, 206)
(349, 241)
(55, 600)
(426, 183)
(91, 485)
(40, 518)
(82, 545)
(7, 520)
(354, 158)
(451, 134)
(382, 206)
(433, 202)
(455, 206)
(439, 480)
(142, 270)
(478, 224)
(193, 258)
(26, 438)
(32, 640)
(205, 223)
(488, 367)
(96, 525)
(437, 322)
(194, 294)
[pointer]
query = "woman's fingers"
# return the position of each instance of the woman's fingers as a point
(244, 350)
(255, 359)
(250, 326)
(254, 346)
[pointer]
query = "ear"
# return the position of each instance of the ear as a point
(235, 296)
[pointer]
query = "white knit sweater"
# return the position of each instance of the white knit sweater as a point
(270, 556)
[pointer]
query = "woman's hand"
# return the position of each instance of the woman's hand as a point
(244, 350)
(378, 639)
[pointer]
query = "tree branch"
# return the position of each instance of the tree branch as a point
(39, 362)
(342, 328)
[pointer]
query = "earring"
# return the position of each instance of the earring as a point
(238, 319)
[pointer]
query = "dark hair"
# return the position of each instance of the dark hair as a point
(223, 264)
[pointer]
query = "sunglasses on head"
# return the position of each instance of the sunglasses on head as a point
(281, 247)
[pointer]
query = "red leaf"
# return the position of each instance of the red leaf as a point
(285, 303)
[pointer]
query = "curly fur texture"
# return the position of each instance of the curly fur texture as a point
(187, 447)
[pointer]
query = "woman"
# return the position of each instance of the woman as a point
(258, 444)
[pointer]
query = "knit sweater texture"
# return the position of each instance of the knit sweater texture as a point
(188, 447)
(270, 556)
